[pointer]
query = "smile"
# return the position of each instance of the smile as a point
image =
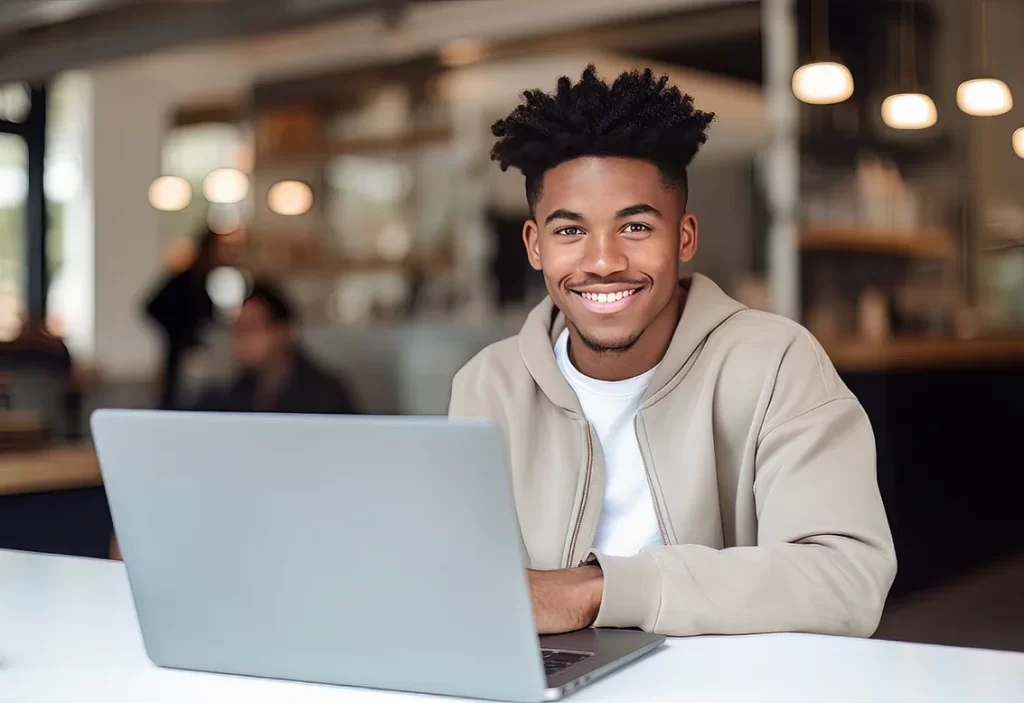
(607, 301)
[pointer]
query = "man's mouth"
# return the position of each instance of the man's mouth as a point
(607, 301)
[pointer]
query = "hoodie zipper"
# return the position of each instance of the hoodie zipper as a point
(583, 499)
(657, 510)
(654, 496)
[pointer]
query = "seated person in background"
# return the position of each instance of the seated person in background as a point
(680, 463)
(276, 375)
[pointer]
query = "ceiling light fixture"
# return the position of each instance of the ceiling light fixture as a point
(823, 80)
(170, 193)
(224, 186)
(984, 96)
(909, 108)
(290, 198)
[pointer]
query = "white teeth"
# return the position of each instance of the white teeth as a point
(608, 297)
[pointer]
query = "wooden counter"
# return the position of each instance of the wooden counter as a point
(51, 469)
(52, 500)
(923, 353)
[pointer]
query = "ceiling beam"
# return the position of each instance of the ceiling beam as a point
(143, 28)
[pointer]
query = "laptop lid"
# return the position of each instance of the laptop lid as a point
(377, 552)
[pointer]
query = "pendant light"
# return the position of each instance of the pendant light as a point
(985, 96)
(170, 193)
(910, 108)
(822, 81)
(1018, 142)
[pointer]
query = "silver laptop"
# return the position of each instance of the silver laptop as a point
(373, 552)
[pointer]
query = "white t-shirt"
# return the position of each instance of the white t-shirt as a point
(628, 522)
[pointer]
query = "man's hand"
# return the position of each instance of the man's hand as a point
(565, 600)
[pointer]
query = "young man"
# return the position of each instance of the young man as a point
(680, 464)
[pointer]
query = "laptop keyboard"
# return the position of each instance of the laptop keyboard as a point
(555, 660)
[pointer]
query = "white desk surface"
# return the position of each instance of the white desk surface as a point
(68, 632)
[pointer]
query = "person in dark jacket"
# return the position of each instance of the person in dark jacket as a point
(276, 375)
(181, 307)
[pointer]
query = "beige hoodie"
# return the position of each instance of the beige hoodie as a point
(760, 461)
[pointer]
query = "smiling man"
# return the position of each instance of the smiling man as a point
(680, 463)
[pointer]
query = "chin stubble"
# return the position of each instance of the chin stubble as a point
(603, 347)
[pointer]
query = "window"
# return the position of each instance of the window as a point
(13, 187)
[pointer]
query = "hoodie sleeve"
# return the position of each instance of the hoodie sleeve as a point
(466, 398)
(824, 559)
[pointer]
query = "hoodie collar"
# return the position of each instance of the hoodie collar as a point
(706, 307)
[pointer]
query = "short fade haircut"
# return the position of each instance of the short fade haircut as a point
(274, 300)
(638, 116)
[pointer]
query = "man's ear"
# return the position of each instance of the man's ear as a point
(531, 238)
(688, 230)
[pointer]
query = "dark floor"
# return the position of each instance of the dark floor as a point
(984, 609)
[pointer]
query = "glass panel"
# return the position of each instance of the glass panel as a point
(14, 102)
(13, 187)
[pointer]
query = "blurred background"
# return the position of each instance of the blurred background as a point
(159, 158)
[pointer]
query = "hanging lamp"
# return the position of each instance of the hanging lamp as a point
(910, 108)
(986, 95)
(823, 80)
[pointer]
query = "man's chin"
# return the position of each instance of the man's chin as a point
(607, 342)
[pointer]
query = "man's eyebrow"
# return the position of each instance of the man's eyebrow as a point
(638, 209)
(563, 214)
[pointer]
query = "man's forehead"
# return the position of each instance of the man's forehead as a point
(602, 193)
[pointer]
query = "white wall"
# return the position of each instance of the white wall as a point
(128, 131)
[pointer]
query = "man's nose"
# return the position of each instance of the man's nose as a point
(603, 255)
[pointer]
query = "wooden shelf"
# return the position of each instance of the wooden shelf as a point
(932, 243)
(51, 469)
(373, 145)
(909, 353)
(368, 146)
(339, 266)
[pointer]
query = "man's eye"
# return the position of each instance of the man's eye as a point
(570, 231)
(634, 227)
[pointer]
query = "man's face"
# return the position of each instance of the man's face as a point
(609, 235)
(256, 338)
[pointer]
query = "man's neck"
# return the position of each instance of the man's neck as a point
(644, 355)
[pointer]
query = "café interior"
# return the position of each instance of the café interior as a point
(865, 176)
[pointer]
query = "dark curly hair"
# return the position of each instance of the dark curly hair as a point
(638, 116)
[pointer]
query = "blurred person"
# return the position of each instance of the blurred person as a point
(276, 375)
(681, 464)
(181, 307)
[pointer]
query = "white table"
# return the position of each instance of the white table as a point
(68, 632)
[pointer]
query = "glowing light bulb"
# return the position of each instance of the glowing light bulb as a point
(822, 83)
(290, 198)
(984, 97)
(225, 186)
(909, 111)
(170, 193)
